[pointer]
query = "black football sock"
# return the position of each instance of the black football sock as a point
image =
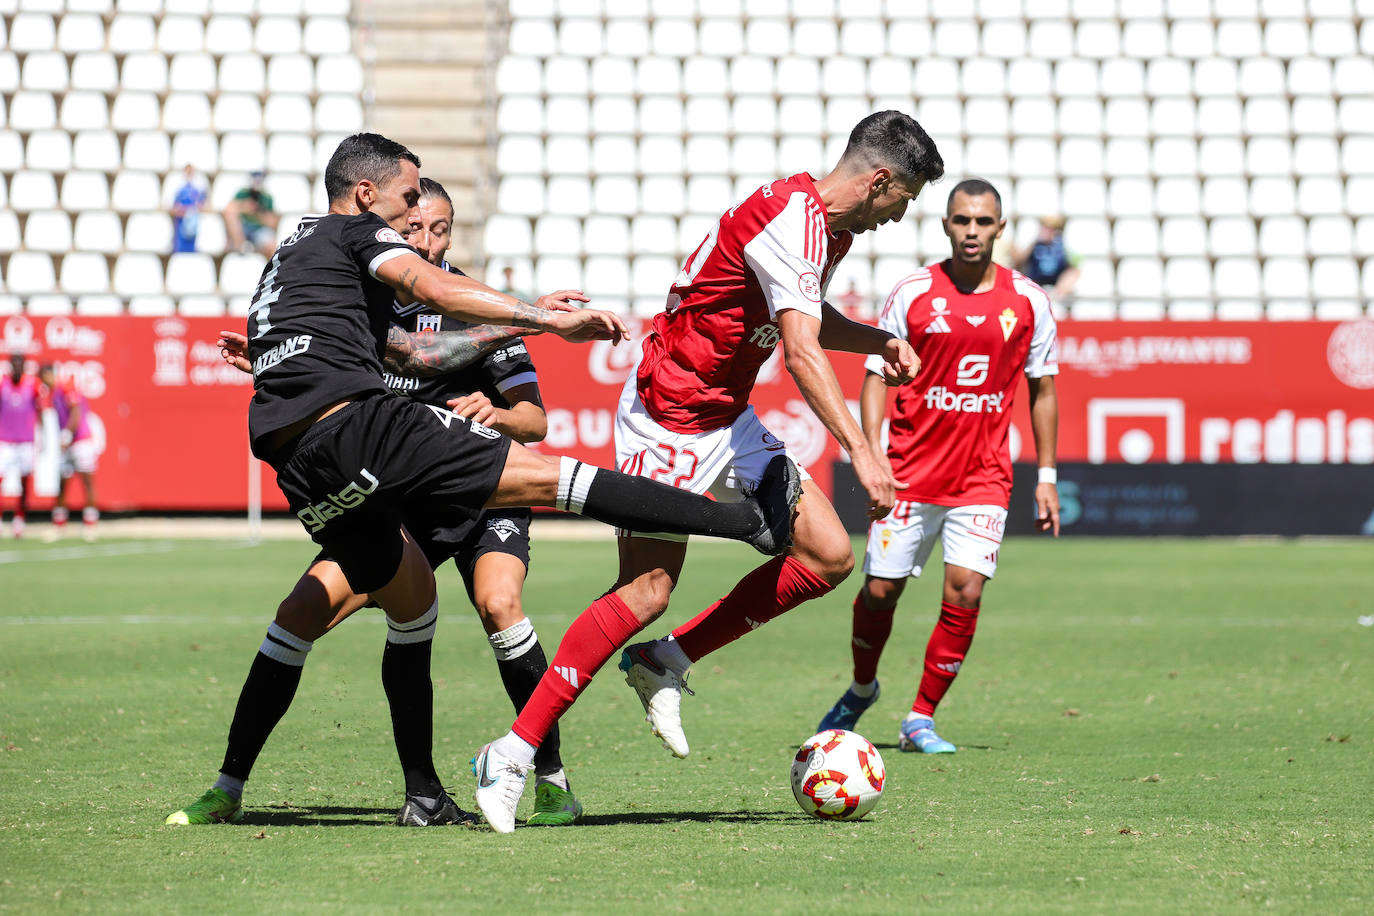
(641, 504)
(410, 693)
(266, 695)
(521, 661)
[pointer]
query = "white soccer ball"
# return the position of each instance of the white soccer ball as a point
(838, 775)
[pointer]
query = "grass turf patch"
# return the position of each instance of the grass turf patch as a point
(1142, 726)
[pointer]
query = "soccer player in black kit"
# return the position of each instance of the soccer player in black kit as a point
(354, 461)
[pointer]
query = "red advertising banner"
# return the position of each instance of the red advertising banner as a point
(172, 416)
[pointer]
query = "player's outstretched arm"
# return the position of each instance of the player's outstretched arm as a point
(440, 352)
(1044, 410)
(808, 364)
(465, 298)
(900, 362)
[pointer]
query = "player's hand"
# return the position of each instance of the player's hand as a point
(563, 300)
(66, 437)
(476, 407)
(875, 476)
(584, 325)
(1047, 508)
(233, 349)
(900, 362)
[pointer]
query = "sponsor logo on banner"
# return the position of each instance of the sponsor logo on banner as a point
(1103, 357)
(79, 340)
(18, 334)
(169, 361)
(1350, 353)
(611, 365)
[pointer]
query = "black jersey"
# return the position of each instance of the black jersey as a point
(496, 373)
(317, 324)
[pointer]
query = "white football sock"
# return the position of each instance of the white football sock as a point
(863, 690)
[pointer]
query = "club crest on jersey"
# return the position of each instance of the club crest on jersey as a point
(428, 323)
(810, 286)
(390, 235)
(1008, 321)
(975, 320)
(939, 309)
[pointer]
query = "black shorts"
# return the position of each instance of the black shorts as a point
(355, 476)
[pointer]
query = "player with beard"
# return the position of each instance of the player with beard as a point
(355, 461)
(758, 279)
(976, 326)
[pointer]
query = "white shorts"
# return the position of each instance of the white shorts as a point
(81, 457)
(16, 459)
(726, 463)
(899, 545)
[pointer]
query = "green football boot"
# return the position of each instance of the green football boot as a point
(214, 807)
(554, 807)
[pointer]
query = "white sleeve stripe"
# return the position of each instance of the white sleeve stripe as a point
(385, 256)
(523, 378)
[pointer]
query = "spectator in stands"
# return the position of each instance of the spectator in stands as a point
(251, 219)
(186, 206)
(1047, 262)
(508, 282)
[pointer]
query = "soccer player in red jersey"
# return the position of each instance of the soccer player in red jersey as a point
(759, 278)
(976, 327)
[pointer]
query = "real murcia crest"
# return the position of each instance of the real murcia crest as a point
(1008, 322)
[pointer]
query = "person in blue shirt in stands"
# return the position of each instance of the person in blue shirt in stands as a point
(1047, 262)
(186, 207)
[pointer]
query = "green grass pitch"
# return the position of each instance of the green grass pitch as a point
(1144, 726)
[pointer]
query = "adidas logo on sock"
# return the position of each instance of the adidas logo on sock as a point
(951, 667)
(568, 674)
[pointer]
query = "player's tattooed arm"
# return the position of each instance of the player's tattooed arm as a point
(443, 351)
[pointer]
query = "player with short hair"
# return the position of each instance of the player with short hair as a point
(484, 373)
(976, 327)
(79, 454)
(18, 423)
(758, 279)
(354, 460)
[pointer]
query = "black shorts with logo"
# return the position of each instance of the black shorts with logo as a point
(355, 476)
(494, 531)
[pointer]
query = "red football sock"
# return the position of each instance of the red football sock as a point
(596, 634)
(773, 589)
(870, 632)
(945, 655)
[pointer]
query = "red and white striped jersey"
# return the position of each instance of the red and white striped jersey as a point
(770, 253)
(947, 435)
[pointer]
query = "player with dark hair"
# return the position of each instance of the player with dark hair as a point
(759, 278)
(976, 327)
(18, 423)
(355, 461)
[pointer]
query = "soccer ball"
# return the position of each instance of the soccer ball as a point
(838, 775)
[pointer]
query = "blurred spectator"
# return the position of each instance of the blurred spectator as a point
(187, 203)
(79, 454)
(250, 219)
(1047, 262)
(508, 282)
(18, 423)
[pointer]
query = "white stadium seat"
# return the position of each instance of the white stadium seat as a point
(149, 231)
(49, 150)
(98, 230)
(45, 70)
(48, 230)
(137, 274)
(129, 33)
(146, 304)
(85, 191)
(99, 304)
(84, 273)
(30, 272)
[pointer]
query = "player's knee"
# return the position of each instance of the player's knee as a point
(302, 617)
(965, 592)
(881, 594)
(833, 563)
(647, 594)
(500, 610)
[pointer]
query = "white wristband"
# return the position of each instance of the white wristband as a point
(1048, 475)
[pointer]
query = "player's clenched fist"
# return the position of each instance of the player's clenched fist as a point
(900, 362)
